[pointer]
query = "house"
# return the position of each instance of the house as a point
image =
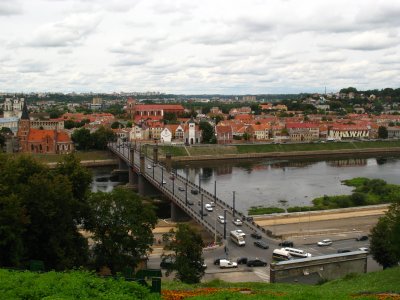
(166, 136)
(258, 132)
(302, 131)
(393, 132)
(348, 131)
(224, 134)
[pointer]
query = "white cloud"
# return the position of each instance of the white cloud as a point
(210, 46)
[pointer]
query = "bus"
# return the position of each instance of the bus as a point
(298, 252)
(238, 238)
(280, 255)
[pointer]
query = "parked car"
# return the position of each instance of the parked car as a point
(286, 244)
(208, 207)
(237, 222)
(256, 263)
(256, 235)
(221, 219)
(181, 188)
(225, 263)
(326, 242)
(242, 260)
(362, 238)
(217, 260)
(194, 192)
(261, 244)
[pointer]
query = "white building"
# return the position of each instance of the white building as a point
(13, 107)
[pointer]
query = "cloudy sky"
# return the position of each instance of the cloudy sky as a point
(207, 46)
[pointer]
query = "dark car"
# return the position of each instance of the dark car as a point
(362, 238)
(249, 219)
(194, 192)
(216, 261)
(190, 202)
(286, 244)
(343, 251)
(203, 212)
(255, 235)
(256, 263)
(166, 262)
(261, 244)
(242, 260)
(181, 189)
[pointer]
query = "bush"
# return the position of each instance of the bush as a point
(259, 210)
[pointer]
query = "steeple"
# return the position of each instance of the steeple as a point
(25, 114)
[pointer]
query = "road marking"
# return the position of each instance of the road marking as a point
(262, 274)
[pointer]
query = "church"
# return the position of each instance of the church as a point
(47, 141)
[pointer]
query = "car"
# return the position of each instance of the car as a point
(208, 207)
(326, 242)
(164, 182)
(194, 192)
(249, 219)
(366, 249)
(225, 263)
(221, 219)
(212, 204)
(362, 238)
(217, 260)
(286, 244)
(190, 202)
(167, 262)
(237, 222)
(172, 177)
(203, 212)
(343, 251)
(256, 263)
(242, 260)
(256, 235)
(148, 166)
(181, 188)
(261, 244)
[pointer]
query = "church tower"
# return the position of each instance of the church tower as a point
(24, 125)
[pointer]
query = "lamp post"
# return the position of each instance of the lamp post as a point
(173, 185)
(162, 175)
(215, 191)
(199, 182)
(153, 166)
(224, 224)
(186, 199)
(215, 230)
(233, 203)
(201, 209)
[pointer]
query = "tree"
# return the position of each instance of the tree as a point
(101, 137)
(382, 132)
(187, 245)
(122, 228)
(207, 131)
(116, 125)
(385, 238)
(82, 139)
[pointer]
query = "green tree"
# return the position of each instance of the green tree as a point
(385, 238)
(116, 125)
(187, 245)
(382, 132)
(208, 132)
(122, 228)
(82, 139)
(101, 137)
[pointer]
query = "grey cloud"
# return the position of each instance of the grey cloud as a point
(132, 61)
(10, 7)
(32, 67)
(69, 32)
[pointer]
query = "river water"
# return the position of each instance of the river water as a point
(281, 183)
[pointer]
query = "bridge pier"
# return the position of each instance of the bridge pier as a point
(177, 214)
(121, 164)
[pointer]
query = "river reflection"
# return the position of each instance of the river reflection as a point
(286, 183)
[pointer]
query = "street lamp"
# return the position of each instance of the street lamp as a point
(201, 209)
(215, 191)
(224, 224)
(162, 175)
(233, 203)
(199, 182)
(186, 199)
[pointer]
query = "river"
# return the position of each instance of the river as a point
(281, 183)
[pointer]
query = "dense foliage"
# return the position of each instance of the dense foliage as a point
(385, 238)
(42, 211)
(187, 246)
(68, 285)
(84, 140)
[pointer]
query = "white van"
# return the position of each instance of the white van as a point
(297, 252)
(224, 263)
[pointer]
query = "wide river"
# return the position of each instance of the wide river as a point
(281, 183)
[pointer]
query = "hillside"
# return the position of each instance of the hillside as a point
(85, 285)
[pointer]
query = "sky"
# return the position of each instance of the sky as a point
(198, 47)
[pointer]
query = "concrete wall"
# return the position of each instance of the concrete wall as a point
(314, 269)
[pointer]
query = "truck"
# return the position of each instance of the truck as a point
(237, 238)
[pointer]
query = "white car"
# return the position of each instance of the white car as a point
(148, 166)
(240, 231)
(326, 242)
(364, 249)
(221, 219)
(237, 222)
(224, 263)
(164, 182)
(208, 207)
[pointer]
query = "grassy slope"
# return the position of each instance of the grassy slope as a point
(348, 288)
(82, 155)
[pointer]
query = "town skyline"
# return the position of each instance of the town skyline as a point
(195, 48)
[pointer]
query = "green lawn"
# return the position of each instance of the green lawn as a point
(82, 155)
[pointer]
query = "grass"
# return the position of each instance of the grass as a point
(353, 286)
(82, 155)
(212, 150)
(260, 210)
(173, 150)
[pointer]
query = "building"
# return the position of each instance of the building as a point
(192, 133)
(156, 112)
(13, 107)
(302, 131)
(224, 134)
(348, 131)
(249, 98)
(45, 141)
(11, 122)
